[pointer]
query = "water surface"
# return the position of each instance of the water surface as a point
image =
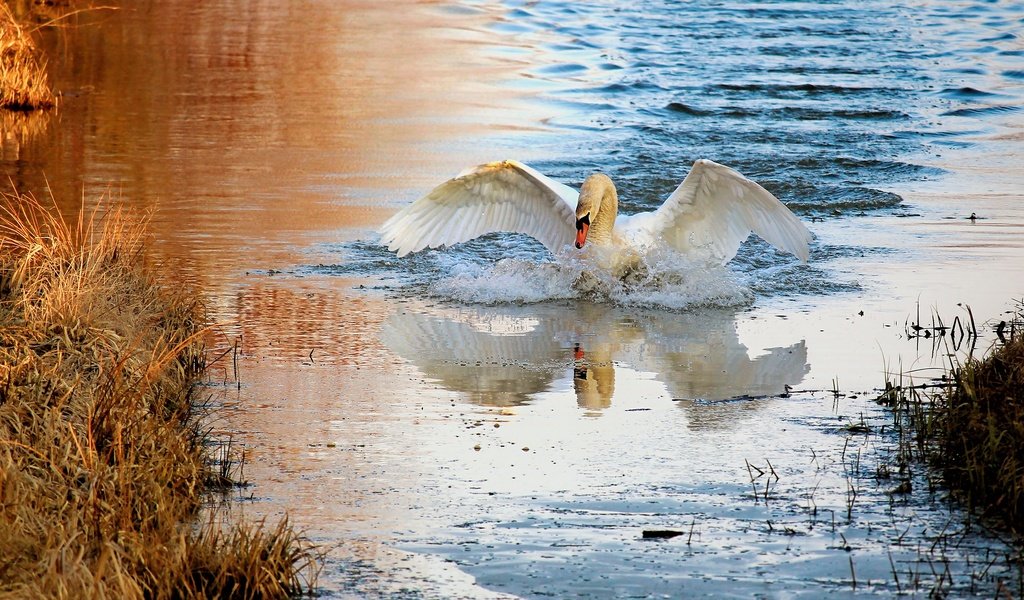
(464, 423)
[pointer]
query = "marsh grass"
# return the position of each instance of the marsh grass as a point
(978, 430)
(24, 85)
(969, 424)
(103, 462)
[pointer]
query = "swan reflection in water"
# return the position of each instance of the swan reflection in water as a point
(508, 355)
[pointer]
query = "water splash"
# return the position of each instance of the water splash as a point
(663, 279)
(515, 269)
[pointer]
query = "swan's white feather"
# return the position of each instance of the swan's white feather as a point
(709, 215)
(713, 211)
(498, 196)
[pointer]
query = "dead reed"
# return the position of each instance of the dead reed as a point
(23, 82)
(103, 465)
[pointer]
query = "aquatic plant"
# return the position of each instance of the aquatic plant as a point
(978, 429)
(103, 459)
(969, 423)
(24, 85)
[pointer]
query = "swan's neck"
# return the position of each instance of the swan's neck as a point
(599, 198)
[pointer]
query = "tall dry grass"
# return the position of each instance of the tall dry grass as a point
(24, 85)
(102, 461)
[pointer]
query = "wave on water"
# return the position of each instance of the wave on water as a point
(831, 118)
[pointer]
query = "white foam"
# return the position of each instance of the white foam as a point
(509, 281)
(665, 281)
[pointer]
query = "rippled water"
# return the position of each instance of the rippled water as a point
(465, 422)
(829, 107)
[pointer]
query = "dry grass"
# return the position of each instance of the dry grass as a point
(102, 463)
(979, 431)
(23, 81)
(969, 424)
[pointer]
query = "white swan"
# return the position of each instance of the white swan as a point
(708, 216)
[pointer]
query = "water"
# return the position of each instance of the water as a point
(465, 422)
(829, 107)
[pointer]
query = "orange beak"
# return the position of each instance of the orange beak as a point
(581, 233)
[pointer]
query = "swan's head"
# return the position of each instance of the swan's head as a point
(593, 191)
(582, 228)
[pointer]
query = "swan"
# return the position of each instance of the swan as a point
(706, 218)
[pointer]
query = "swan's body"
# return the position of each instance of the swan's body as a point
(708, 216)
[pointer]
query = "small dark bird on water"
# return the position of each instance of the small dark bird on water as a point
(973, 217)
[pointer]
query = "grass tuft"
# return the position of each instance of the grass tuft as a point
(979, 431)
(969, 425)
(23, 82)
(102, 463)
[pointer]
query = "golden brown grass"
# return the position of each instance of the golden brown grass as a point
(23, 82)
(102, 463)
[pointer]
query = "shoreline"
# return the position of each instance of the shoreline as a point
(105, 460)
(105, 453)
(374, 452)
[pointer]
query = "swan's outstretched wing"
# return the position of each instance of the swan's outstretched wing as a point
(714, 209)
(497, 196)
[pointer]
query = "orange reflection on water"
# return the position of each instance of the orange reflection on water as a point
(253, 128)
(257, 133)
(295, 321)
